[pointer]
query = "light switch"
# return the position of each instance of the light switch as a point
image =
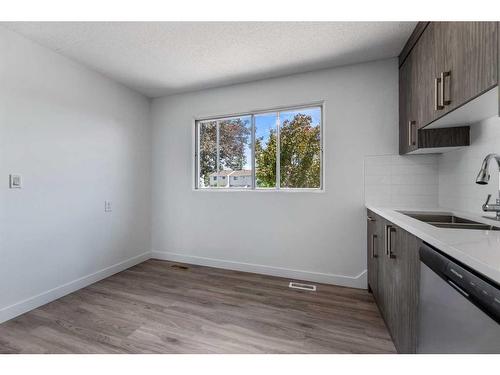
(107, 206)
(15, 181)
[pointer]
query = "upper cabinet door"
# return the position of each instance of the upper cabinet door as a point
(405, 86)
(467, 61)
(427, 67)
(408, 105)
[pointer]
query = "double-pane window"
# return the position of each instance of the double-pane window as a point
(264, 150)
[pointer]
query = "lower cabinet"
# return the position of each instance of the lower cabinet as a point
(393, 278)
(373, 247)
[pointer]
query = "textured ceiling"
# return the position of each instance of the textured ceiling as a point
(161, 58)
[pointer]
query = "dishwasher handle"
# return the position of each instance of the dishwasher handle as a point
(433, 259)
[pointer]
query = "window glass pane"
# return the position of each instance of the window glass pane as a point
(225, 150)
(207, 154)
(300, 148)
(235, 152)
(265, 150)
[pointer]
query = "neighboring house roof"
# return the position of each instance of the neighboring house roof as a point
(244, 172)
(221, 173)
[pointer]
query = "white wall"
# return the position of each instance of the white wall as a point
(402, 181)
(314, 236)
(458, 170)
(77, 138)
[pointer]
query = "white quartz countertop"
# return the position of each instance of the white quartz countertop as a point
(478, 249)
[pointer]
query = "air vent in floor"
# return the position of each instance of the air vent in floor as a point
(308, 287)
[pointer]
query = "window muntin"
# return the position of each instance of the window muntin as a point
(262, 151)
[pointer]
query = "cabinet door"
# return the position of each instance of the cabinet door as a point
(386, 290)
(398, 282)
(407, 106)
(405, 278)
(467, 60)
(372, 253)
(426, 62)
(383, 278)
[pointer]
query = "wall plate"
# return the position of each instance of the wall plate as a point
(107, 206)
(15, 181)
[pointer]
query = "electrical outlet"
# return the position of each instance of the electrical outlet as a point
(107, 206)
(15, 181)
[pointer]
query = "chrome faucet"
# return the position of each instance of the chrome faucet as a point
(483, 178)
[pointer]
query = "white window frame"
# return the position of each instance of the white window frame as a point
(254, 188)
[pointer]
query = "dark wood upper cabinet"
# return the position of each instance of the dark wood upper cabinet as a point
(427, 71)
(467, 61)
(444, 66)
(407, 109)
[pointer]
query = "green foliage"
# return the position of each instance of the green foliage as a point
(265, 161)
(300, 150)
(234, 137)
(208, 150)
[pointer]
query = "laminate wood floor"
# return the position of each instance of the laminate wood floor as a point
(160, 307)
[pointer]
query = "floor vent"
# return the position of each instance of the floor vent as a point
(308, 287)
(179, 267)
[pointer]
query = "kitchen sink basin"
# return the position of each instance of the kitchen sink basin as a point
(448, 220)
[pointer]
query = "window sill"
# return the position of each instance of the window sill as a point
(226, 190)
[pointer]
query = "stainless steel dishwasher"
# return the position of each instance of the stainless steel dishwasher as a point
(459, 310)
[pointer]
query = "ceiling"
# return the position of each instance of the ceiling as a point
(162, 58)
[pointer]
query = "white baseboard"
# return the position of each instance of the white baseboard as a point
(357, 281)
(31, 303)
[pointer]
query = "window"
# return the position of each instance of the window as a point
(270, 150)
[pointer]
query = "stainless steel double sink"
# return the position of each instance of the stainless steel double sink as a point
(448, 220)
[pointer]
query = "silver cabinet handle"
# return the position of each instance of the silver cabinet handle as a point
(374, 237)
(388, 241)
(411, 141)
(442, 91)
(437, 105)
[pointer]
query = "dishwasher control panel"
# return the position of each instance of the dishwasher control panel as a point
(479, 290)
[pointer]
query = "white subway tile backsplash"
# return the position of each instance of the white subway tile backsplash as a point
(378, 179)
(406, 190)
(425, 179)
(413, 169)
(394, 180)
(378, 170)
(414, 201)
